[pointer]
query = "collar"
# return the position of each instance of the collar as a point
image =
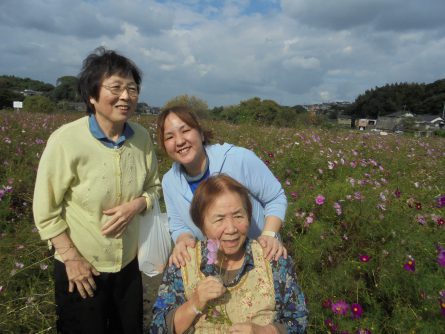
(97, 133)
(213, 270)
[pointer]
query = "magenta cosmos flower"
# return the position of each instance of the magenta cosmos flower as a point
(441, 201)
(319, 200)
(356, 310)
(340, 307)
(330, 325)
(364, 258)
(441, 256)
(410, 265)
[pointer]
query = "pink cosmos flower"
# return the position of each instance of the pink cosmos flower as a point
(358, 196)
(319, 200)
(381, 207)
(441, 256)
(338, 209)
(19, 265)
(294, 194)
(397, 193)
(356, 310)
(212, 247)
(331, 325)
(340, 307)
(309, 219)
(363, 331)
(327, 303)
(421, 219)
(441, 201)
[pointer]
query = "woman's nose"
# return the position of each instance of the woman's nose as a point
(230, 226)
(180, 140)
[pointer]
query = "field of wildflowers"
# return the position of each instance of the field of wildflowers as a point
(365, 223)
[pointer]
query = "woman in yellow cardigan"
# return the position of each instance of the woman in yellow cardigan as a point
(95, 176)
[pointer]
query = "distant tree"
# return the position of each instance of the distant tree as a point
(66, 89)
(8, 96)
(413, 97)
(39, 104)
(199, 106)
(20, 84)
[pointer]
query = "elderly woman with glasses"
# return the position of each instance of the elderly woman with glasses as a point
(228, 286)
(96, 175)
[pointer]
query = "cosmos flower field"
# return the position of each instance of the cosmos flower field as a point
(365, 223)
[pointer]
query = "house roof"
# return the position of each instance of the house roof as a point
(400, 113)
(429, 118)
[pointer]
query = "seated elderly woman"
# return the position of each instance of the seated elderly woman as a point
(228, 286)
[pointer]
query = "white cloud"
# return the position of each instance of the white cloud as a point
(293, 51)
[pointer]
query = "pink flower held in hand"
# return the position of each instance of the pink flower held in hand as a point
(319, 200)
(212, 248)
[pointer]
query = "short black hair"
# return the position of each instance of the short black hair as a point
(99, 65)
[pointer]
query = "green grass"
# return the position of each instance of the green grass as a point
(360, 171)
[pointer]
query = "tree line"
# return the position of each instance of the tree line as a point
(410, 97)
(380, 101)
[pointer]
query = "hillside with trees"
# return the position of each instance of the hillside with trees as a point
(413, 97)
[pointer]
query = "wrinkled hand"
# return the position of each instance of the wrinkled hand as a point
(121, 216)
(272, 248)
(180, 254)
(208, 289)
(80, 275)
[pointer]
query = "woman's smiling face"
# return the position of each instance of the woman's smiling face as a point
(227, 220)
(184, 144)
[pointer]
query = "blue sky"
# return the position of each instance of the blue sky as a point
(290, 51)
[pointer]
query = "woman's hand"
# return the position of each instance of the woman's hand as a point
(80, 275)
(121, 216)
(208, 289)
(180, 254)
(272, 248)
(251, 328)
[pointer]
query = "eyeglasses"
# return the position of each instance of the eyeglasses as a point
(132, 90)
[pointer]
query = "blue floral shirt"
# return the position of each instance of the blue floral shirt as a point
(291, 311)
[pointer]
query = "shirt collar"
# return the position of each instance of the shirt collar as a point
(97, 132)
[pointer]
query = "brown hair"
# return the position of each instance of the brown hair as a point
(188, 117)
(99, 65)
(209, 190)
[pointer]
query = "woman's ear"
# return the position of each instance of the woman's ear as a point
(92, 100)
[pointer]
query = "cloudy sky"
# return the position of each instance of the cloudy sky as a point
(290, 51)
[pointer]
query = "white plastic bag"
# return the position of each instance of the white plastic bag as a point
(155, 243)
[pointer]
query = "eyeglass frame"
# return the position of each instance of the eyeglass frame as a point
(113, 90)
